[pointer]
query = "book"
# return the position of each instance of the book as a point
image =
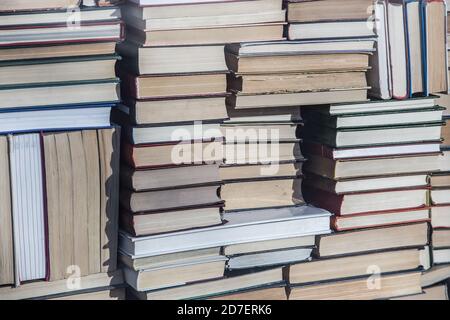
(269, 245)
(158, 179)
(261, 194)
(55, 70)
(234, 173)
(172, 59)
(414, 33)
(174, 110)
(367, 202)
(291, 83)
(435, 275)
(178, 85)
(209, 35)
(241, 227)
(76, 163)
(178, 258)
(205, 9)
(266, 259)
(292, 99)
(440, 216)
(6, 236)
(446, 134)
(433, 293)
(276, 293)
(55, 118)
(59, 33)
(170, 155)
(359, 120)
(13, 5)
(262, 152)
(144, 224)
(318, 149)
(58, 51)
(440, 196)
(358, 289)
(170, 276)
(358, 265)
(359, 168)
(59, 16)
(330, 30)
(157, 134)
(328, 10)
(441, 256)
(370, 136)
(40, 289)
(387, 218)
(440, 238)
(182, 198)
(372, 240)
(435, 58)
(97, 294)
(296, 61)
(384, 183)
(207, 289)
(28, 209)
(247, 132)
(379, 76)
(58, 94)
(398, 49)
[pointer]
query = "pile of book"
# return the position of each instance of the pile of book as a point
(58, 152)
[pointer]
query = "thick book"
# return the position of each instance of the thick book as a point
(47, 17)
(361, 288)
(328, 10)
(175, 275)
(367, 202)
(434, 18)
(373, 240)
(371, 136)
(228, 285)
(19, 5)
(261, 194)
(354, 266)
(365, 168)
(174, 85)
(166, 200)
(144, 224)
(77, 166)
(60, 33)
(31, 257)
(53, 70)
(174, 110)
(173, 59)
(55, 118)
(241, 227)
(6, 236)
(440, 216)
(39, 95)
(209, 35)
(152, 156)
(386, 218)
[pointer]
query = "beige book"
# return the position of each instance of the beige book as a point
(433, 293)
(113, 294)
(278, 293)
(435, 275)
(109, 150)
(40, 289)
(360, 265)
(6, 237)
(375, 287)
(261, 194)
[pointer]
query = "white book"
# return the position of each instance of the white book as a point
(331, 30)
(28, 207)
(54, 119)
(241, 227)
(172, 2)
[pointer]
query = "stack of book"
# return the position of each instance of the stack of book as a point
(175, 85)
(59, 153)
(368, 164)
